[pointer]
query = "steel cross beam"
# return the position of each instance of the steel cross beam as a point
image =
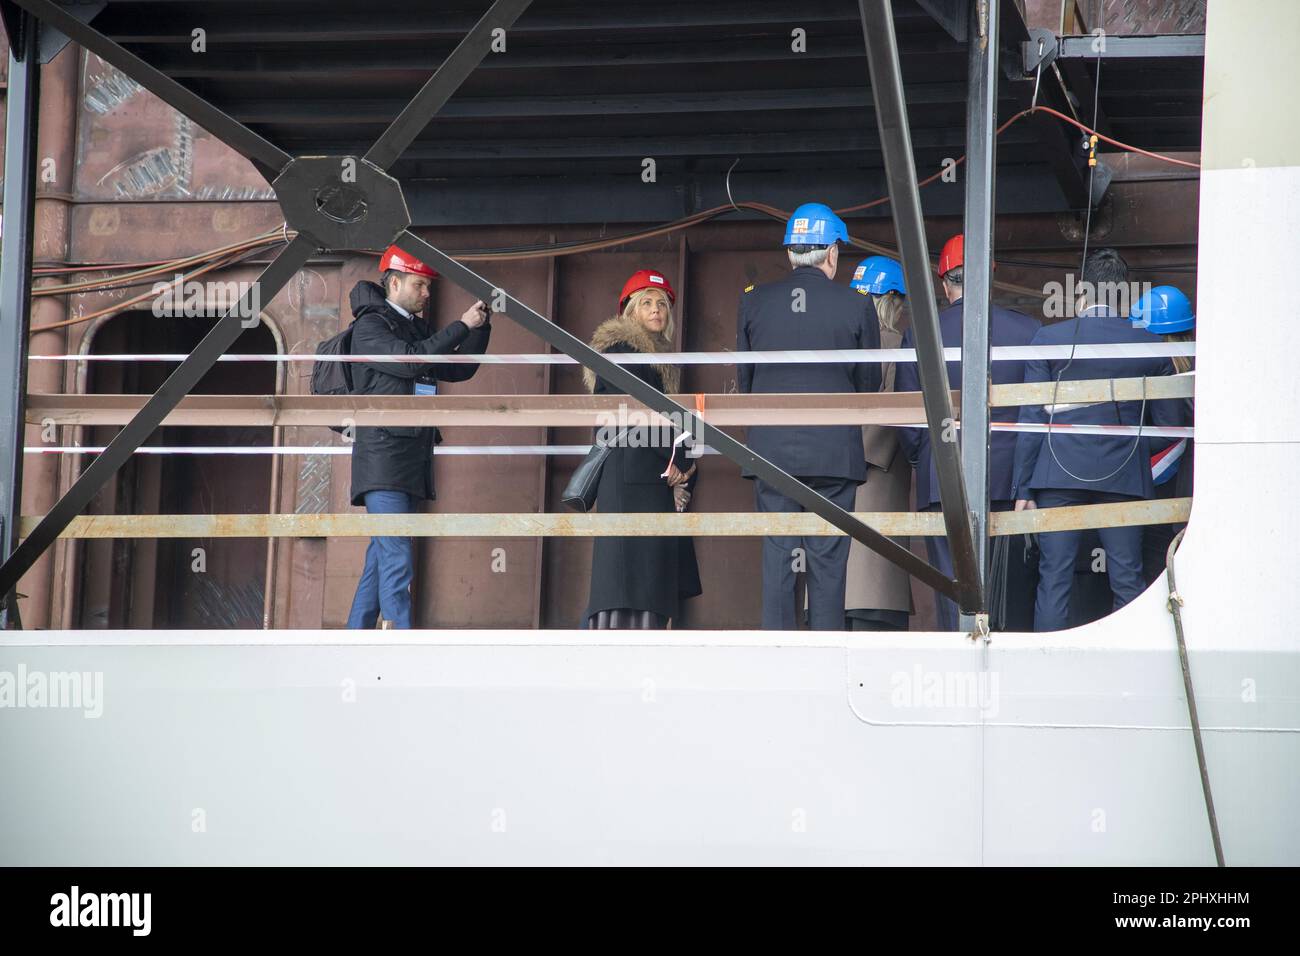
(905, 201)
(977, 298)
(330, 210)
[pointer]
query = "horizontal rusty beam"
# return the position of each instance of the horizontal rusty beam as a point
(1093, 390)
(705, 524)
(557, 411)
(527, 411)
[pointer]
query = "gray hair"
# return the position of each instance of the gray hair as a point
(955, 276)
(813, 257)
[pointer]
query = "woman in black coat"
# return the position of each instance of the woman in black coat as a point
(640, 582)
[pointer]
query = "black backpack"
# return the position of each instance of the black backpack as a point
(333, 378)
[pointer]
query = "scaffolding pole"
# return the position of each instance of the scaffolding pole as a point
(21, 102)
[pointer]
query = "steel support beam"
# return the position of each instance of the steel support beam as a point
(574, 411)
(712, 524)
(1184, 46)
(977, 292)
(22, 104)
(50, 42)
(895, 135)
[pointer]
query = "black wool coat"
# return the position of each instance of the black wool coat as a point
(806, 310)
(647, 574)
(400, 458)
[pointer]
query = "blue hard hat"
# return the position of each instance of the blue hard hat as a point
(815, 224)
(877, 275)
(1163, 311)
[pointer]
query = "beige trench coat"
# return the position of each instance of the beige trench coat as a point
(873, 582)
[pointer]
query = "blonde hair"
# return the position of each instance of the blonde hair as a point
(629, 313)
(1182, 363)
(889, 308)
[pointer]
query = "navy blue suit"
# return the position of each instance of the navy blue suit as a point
(806, 310)
(833, 316)
(1068, 472)
(1005, 328)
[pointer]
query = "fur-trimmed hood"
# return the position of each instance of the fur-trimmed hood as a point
(621, 331)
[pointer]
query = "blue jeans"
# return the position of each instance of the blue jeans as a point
(390, 564)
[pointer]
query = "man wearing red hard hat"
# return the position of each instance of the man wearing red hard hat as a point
(1005, 328)
(392, 466)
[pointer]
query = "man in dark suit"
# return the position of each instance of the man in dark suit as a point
(1090, 469)
(808, 310)
(1005, 328)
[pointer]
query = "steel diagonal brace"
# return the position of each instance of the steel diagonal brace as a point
(445, 81)
(905, 200)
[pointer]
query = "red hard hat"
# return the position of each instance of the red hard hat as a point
(397, 260)
(951, 256)
(646, 279)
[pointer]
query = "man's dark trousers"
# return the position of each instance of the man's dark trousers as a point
(1058, 549)
(826, 558)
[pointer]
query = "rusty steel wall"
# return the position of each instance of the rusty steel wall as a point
(146, 187)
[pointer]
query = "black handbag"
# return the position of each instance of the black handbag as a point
(580, 493)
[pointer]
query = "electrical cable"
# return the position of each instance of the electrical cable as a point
(1078, 324)
(571, 248)
(121, 306)
(129, 279)
(43, 271)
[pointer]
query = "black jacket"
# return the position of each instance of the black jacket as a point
(832, 317)
(650, 573)
(400, 458)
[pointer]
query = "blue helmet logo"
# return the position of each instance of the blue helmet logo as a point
(815, 224)
(1163, 311)
(878, 275)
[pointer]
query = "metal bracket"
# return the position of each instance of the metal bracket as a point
(1040, 38)
(50, 41)
(342, 202)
